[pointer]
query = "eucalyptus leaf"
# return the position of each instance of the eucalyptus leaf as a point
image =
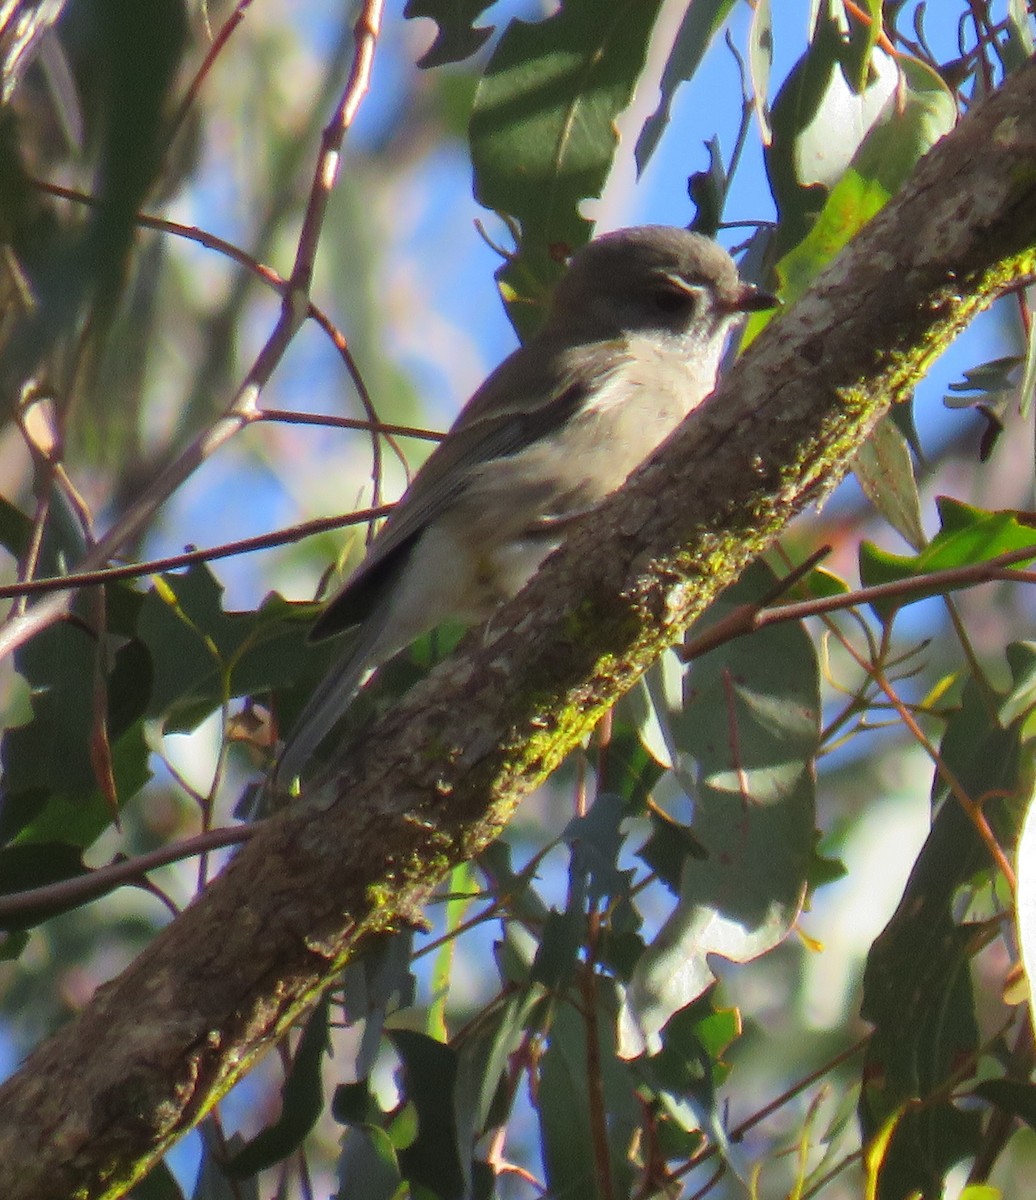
(908, 123)
(368, 1166)
(457, 37)
(884, 468)
(967, 536)
(748, 735)
(702, 20)
(917, 986)
(543, 131)
(564, 1107)
(302, 1101)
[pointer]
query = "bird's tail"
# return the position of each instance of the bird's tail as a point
(329, 702)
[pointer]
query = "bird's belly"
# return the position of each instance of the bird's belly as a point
(458, 572)
(487, 545)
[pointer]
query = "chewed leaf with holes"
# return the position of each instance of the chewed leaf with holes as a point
(457, 37)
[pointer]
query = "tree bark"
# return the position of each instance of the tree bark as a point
(431, 782)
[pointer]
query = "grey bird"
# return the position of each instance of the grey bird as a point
(631, 344)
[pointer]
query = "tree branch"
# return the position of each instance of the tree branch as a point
(434, 780)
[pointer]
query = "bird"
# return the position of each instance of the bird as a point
(631, 343)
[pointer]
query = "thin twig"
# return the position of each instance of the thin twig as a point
(81, 888)
(218, 43)
(211, 241)
(155, 566)
(243, 408)
(972, 808)
(288, 416)
(749, 617)
(739, 1131)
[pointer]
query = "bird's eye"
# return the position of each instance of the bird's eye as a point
(673, 301)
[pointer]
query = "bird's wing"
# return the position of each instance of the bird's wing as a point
(488, 427)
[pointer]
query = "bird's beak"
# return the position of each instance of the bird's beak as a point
(750, 298)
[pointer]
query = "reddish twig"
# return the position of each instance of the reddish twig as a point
(949, 778)
(211, 241)
(94, 884)
(243, 408)
(796, 1089)
(747, 618)
(154, 566)
(218, 43)
(287, 416)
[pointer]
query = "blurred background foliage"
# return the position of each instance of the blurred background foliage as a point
(750, 941)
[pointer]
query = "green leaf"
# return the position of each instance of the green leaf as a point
(524, 902)
(760, 60)
(688, 1069)
(990, 390)
(302, 1101)
(561, 940)
(1021, 45)
(351, 1103)
(884, 469)
(140, 51)
(368, 1168)
(985, 379)
(863, 37)
(430, 1076)
(461, 891)
(1027, 383)
(33, 865)
(596, 840)
(543, 131)
(908, 125)
(483, 1056)
(213, 1183)
(891, 128)
(15, 529)
(1020, 702)
(903, 417)
(595, 883)
(822, 582)
(52, 793)
(374, 985)
(968, 536)
(1020, 706)
(202, 654)
(824, 869)
(917, 984)
(817, 126)
(628, 769)
(747, 737)
(669, 850)
(701, 22)
(1012, 1095)
(12, 944)
(456, 38)
(159, 1184)
(564, 1101)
